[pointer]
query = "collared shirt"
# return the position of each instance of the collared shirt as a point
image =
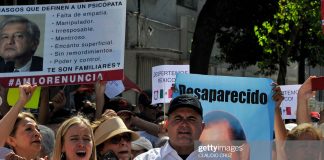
(25, 68)
(165, 152)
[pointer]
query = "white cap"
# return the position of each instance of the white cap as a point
(290, 126)
(141, 143)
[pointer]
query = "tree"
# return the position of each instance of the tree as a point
(267, 33)
(293, 35)
(229, 22)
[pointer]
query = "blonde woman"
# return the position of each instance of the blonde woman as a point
(75, 140)
(303, 142)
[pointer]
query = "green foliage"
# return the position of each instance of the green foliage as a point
(234, 21)
(295, 30)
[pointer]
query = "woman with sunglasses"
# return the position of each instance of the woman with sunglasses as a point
(113, 138)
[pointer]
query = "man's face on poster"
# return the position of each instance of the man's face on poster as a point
(184, 126)
(220, 133)
(16, 43)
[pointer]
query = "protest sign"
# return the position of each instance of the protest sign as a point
(163, 79)
(114, 88)
(289, 104)
(13, 96)
(79, 43)
(244, 104)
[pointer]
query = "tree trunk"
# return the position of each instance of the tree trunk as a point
(203, 40)
(301, 70)
(281, 80)
(301, 63)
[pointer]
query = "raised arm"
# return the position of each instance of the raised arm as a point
(100, 87)
(44, 106)
(58, 102)
(304, 93)
(279, 127)
(280, 130)
(8, 121)
(149, 127)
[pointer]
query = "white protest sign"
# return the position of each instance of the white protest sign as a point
(289, 104)
(163, 79)
(114, 88)
(80, 42)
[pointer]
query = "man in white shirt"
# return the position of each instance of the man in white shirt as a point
(184, 125)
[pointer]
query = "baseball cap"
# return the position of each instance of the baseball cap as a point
(185, 100)
(315, 115)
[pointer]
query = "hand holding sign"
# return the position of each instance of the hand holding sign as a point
(277, 95)
(305, 90)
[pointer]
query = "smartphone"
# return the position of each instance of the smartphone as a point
(318, 83)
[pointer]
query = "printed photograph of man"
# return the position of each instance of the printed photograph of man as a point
(19, 40)
(226, 132)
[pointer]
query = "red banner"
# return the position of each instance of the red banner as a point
(63, 79)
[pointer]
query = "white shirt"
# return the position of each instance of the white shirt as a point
(165, 152)
(26, 67)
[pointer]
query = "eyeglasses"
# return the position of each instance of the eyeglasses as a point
(116, 139)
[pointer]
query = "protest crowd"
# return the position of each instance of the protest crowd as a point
(103, 128)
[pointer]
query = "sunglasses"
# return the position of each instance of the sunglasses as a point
(116, 139)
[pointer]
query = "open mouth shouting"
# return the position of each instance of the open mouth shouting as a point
(81, 154)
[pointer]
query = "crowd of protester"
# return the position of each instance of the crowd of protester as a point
(82, 123)
(79, 122)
